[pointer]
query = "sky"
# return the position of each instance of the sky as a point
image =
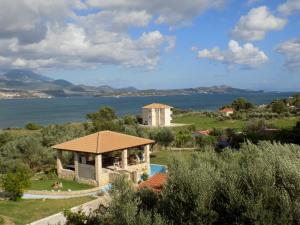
(252, 44)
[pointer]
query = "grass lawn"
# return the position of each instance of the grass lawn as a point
(1, 221)
(285, 122)
(164, 157)
(47, 185)
(26, 211)
(204, 122)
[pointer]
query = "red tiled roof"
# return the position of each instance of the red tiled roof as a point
(226, 110)
(103, 141)
(155, 182)
(157, 106)
(203, 132)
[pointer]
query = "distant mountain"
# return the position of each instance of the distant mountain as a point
(25, 76)
(62, 83)
(19, 82)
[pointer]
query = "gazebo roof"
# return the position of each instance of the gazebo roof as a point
(157, 106)
(103, 141)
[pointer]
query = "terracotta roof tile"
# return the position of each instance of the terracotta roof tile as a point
(157, 106)
(156, 182)
(203, 132)
(103, 141)
(226, 110)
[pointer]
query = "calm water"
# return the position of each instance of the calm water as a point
(18, 112)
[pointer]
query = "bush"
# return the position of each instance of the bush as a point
(259, 184)
(144, 176)
(182, 138)
(256, 185)
(163, 136)
(279, 106)
(130, 120)
(15, 183)
(203, 141)
(32, 126)
(26, 150)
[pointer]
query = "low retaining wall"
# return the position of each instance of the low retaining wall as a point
(66, 174)
(64, 193)
(59, 218)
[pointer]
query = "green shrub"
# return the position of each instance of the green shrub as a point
(259, 184)
(32, 126)
(203, 141)
(15, 183)
(163, 136)
(144, 176)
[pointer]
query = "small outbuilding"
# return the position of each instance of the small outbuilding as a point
(101, 156)
(227, 111)
(157, 115)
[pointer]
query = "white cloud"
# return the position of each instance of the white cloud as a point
(48, 34)
(172, 12)
(114, 20)
(289, 7)
(247, 56)
(71, 47)
(255, 25)
(291, 49)
(27, 19)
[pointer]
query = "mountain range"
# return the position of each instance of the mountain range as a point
(19, 83)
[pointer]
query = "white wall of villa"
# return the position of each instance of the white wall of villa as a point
(157, 116)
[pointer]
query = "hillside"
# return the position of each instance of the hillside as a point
(26, 84)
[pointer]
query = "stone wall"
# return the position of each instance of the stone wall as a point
(86, 171)
(66, 174)
(86, 181)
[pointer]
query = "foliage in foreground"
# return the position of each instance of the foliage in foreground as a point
(260, 184)
(15, 183)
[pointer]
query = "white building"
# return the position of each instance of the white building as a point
(157, 114)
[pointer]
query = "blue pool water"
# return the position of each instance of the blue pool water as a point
(155, 168)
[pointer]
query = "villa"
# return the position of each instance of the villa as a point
(100, 157)
(157, 115)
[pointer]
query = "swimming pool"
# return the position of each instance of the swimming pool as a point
(156, 168)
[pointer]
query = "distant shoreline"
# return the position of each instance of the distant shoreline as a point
(149, 95)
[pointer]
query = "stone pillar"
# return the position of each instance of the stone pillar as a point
(59, 166)
(76, 158)
(98, 167)
(147, 156)
(124, 159)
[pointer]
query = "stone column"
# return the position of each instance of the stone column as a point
(147, 156)
(98, 167)
(76, 158)
(59, 166)
(124, 159)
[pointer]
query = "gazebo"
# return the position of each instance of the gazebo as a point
(93, 160)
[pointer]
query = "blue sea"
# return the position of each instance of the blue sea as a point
(18, 112)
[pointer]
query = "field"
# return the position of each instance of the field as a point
(204, 122)
(47, 185)
(164, 157)
(26, 211)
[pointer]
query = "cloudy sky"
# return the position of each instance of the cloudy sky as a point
(155, 44)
